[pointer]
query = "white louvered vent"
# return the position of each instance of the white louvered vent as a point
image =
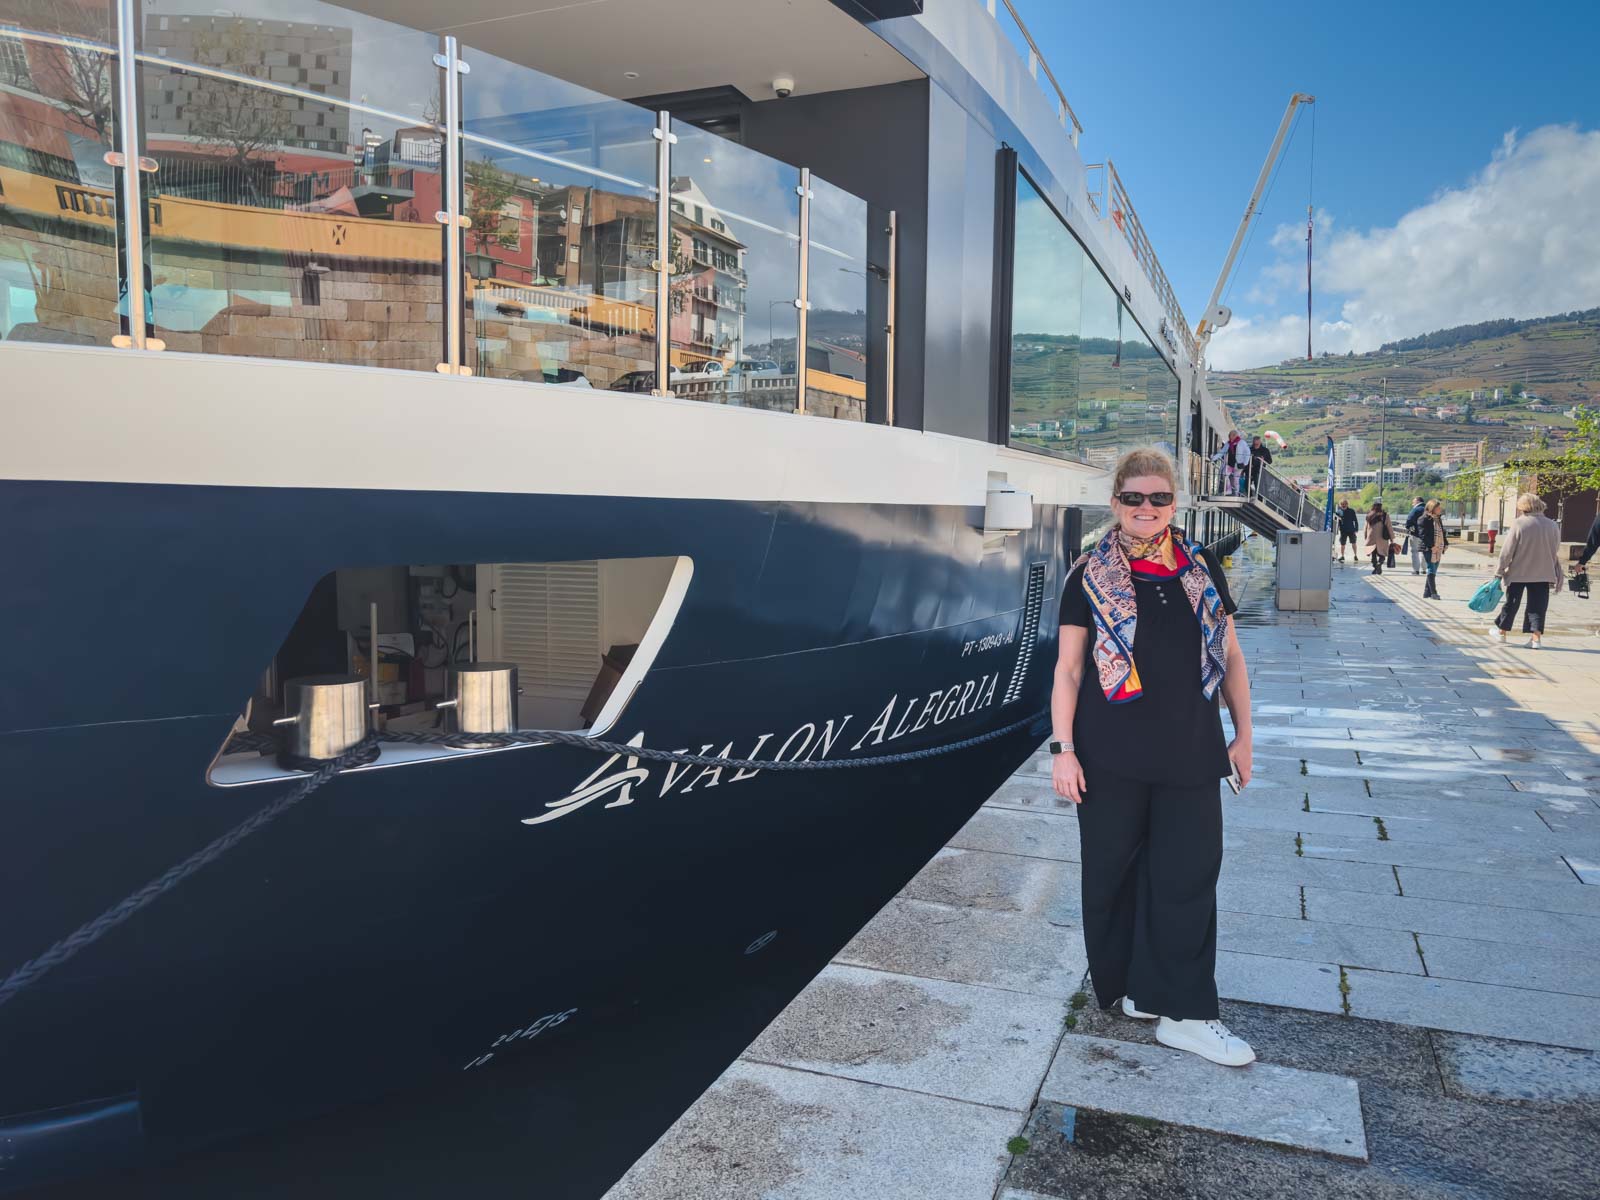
(548, 616)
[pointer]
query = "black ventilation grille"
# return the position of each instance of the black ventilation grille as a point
(1032, 607)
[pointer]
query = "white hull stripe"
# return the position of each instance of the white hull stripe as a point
(124, 416)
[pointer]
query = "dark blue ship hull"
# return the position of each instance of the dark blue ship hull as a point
(504, 1000)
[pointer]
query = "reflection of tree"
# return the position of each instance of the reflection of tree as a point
(238, 120)
(488, 189)
(79, 78)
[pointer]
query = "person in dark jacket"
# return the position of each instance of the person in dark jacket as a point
(1434, 541)
(1260, 456)
(1348, 521)
(1414, 536)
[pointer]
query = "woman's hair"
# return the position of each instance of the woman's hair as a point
(1145, 461)
(1377, 506)
(1432, 506)
(1529, 503)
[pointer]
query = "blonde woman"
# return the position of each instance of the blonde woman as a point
(1530, 563)
(1434, 541)
(1147, 646)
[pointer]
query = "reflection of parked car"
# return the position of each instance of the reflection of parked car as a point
(755, 366)
(708, 368)
(636, 381)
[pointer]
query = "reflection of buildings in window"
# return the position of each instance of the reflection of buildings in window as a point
(14, 65)
(312, 58)
(708, 288)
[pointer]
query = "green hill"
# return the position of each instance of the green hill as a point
(1549, 362)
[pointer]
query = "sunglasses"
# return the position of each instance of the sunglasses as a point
(1135, 499)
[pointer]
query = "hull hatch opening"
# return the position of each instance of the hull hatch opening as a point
(581, 634)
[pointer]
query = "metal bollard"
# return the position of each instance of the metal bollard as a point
(486, 698)
(326, 715)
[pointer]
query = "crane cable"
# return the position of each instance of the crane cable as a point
(1311, 183)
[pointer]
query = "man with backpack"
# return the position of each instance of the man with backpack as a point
(1414, 536)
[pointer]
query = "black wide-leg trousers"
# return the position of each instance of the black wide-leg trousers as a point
(1151, 855)
(1538, 605)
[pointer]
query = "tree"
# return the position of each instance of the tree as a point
(1581, 461)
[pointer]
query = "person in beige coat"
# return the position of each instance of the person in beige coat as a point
(1380, 536)
(1530, 563)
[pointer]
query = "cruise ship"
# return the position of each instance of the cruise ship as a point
(743, 375)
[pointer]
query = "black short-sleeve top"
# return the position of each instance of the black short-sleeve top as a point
(1171, 733)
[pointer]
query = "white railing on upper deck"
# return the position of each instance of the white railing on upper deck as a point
(1036, 62)
(1109, 199)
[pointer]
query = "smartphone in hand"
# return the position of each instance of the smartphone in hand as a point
(1234, 782)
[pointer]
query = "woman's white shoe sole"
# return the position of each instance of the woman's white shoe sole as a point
(1177, 1042)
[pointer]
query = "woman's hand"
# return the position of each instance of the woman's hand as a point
(1066, 773)
(1240, 754)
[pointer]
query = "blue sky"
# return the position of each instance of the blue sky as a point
(1457, 155)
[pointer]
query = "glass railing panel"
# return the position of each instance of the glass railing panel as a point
(836, 323)
(310, 47)
(284, 227)
(59, 273)
(735, 252)
(560, 282)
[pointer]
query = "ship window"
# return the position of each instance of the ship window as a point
(581, 634)
(1086, 383)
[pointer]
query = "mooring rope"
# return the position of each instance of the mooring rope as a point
(367, 750)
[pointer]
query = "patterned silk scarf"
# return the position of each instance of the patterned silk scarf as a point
(1108, 584)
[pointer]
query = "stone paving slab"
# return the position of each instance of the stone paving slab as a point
(1038, 835)
(1319, 941)
(1566, 895)
(1472, 859)
(778, 1134)
(944, 1039)
(1285, 982)
(1486, 1069)
(1260, 868)
(1574, 970)
(1512, 1013)
(1001, 883)
(1306, 1109)
(1517, 926)
(1009, 951)
(1268, 897)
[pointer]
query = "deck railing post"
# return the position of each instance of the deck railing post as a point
(888, 333)
(127, 160)
(802, 302)
(663, 262)
(452, 217)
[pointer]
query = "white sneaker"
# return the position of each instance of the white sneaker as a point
(1533, 643)
(1130, 1010)
(1496, 634)
(1208, 1039)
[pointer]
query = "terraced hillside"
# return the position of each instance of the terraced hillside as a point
(1545, 363)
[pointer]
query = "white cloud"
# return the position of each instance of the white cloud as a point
(1520, 239)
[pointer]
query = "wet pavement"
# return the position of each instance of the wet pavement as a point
(1409, 935)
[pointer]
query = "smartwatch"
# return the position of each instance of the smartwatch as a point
(1061, 747)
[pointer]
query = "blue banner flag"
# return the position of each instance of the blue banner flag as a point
(1327, 510)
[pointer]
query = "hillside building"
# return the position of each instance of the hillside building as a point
(1349, 457)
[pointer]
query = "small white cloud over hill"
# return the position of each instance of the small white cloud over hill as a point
(1520, 239)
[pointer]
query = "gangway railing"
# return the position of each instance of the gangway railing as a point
(1264, 501)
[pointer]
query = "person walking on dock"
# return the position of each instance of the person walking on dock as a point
(1380, 536)
(1139, 748)
(1348, 521)
(1530, 563)
(1414, 536)
(1433, 540)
